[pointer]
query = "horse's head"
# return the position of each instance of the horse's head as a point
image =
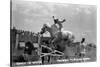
(44, 28)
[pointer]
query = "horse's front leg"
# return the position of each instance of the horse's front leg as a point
(49, 59)
(42, 60)
(54, 42)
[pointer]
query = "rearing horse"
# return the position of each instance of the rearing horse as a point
(56, 35)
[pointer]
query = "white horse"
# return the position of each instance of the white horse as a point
(57, 35)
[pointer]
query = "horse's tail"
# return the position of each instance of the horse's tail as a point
(71, 37)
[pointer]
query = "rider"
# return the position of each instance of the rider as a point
(59, 22)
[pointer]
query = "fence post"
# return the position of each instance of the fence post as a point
(39, 48)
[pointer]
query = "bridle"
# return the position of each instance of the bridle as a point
(43, 30)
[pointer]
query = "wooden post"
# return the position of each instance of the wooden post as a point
(17, 40)
(39, 48)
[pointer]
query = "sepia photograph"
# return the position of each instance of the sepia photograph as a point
(45, 33)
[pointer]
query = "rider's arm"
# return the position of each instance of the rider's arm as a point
(55, 20)
(63, 20)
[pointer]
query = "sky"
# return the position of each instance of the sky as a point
(31, 15)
